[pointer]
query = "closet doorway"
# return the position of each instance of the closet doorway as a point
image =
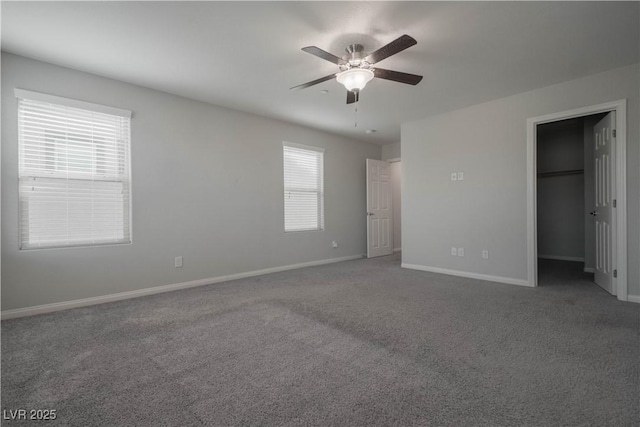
(577, 220)
(565, 194)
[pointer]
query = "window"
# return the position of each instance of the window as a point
(73, 173)
(303, 188)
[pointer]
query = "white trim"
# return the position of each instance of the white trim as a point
(589, 270)
(633, 298)
(48, 308)
(562, 258)
(620, 255)
(499, 279)
(397, 250)
(302, 146)
(68, 102)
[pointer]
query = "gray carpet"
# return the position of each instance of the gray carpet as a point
(358, 343)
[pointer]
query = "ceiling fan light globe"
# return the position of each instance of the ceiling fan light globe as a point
(355, 79)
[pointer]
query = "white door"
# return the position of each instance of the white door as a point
(603, 214)
(379, 230)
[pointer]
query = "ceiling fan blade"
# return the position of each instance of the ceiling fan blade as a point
(398, 45)
(397, 76)
(314, 82)
(352, 97)
(316, 51)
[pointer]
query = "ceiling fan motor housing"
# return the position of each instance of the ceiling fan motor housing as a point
(355, 52)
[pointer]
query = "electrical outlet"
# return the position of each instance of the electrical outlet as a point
(178, 262)
(460, 251)
(485, 254)
(454, 176)
(460, 176)
(454, 251)
(334, 244)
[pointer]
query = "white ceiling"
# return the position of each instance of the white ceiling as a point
(246, 55)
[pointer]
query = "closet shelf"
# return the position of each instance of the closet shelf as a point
(560, 173)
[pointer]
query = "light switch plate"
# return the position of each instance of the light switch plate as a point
(460, 176)
(454, 176)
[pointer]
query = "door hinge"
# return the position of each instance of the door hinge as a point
(615, 273)
(615, 203)
(614, 133)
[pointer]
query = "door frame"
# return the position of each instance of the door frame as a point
(393, 205)
(619, 255)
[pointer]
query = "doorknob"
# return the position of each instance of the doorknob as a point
(370, 213)
(594, 213)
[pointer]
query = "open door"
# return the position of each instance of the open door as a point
(379, 229)
(604, 139)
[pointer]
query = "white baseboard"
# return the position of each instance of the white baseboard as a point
(49, 308)
(395, 250)
(562, 258)
(589, 270)
(633, 298)
(499, 279)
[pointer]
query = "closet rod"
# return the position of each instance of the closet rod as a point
(560, 173)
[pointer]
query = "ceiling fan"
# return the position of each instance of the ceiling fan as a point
(356, 69)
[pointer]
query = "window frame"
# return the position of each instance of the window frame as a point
(125, 175)
(320, 219)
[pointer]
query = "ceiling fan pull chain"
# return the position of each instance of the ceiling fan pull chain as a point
(355, 114)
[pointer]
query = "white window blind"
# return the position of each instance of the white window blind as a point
(303, 188)
(74, 172)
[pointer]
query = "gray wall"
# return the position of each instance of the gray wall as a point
(561, 207)
(489, 209)
(391, 151)
(207, 185)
